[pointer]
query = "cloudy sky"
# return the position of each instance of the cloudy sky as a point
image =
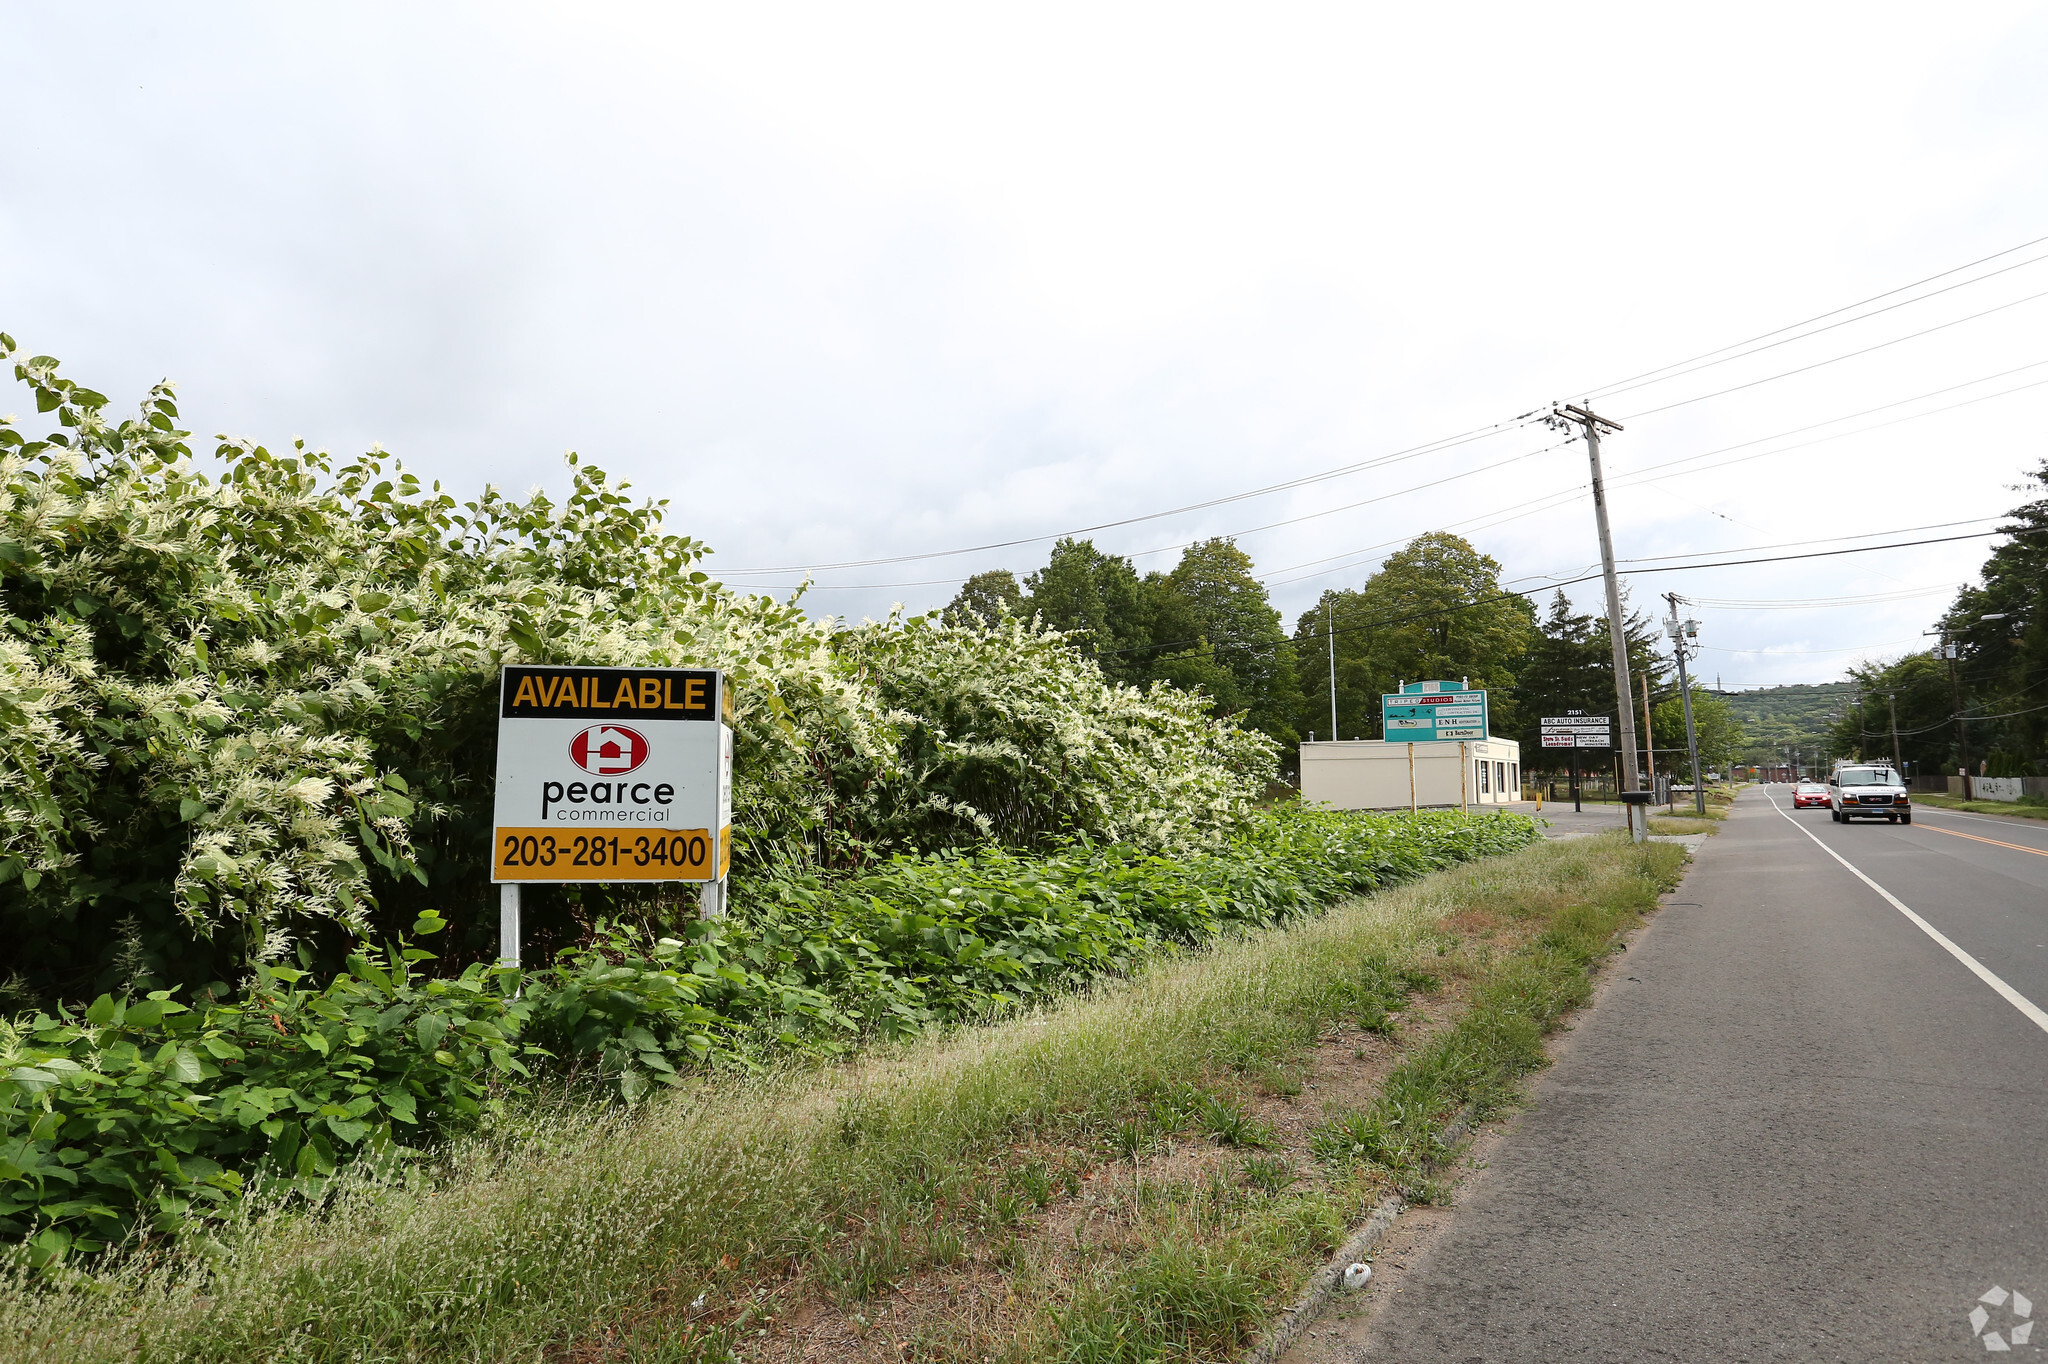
(860, 285)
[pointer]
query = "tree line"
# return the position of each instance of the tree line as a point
(1435, 609)
(1987, 707)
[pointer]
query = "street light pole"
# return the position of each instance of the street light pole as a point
(1330, 637)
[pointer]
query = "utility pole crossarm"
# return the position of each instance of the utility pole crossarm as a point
(1587, 417)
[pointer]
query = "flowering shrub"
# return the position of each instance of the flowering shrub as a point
(238, 707)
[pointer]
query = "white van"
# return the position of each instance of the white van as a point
(1860, 791)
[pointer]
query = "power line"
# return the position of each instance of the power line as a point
(1617, 385)
(1477, 433)
(1413, 452)
(1548, 501)
(1636, 476)
(1564, 496)
(1817, 603)
(1508, 595)
(1833, 360)
(1787, 653)
(1681, 371)
(1292, 520)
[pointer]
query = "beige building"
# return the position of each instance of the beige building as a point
(1373, 774)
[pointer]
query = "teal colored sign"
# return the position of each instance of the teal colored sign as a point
(1432, 712)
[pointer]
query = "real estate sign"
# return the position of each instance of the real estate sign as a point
(612, 774)
(1425, 712)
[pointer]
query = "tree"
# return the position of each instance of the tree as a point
(1714, 724)
(1435, 610)
(1100, 600)
(1570, 666)
(2004, 663)
(1916, 687)
(985, 599)
(1254, 666)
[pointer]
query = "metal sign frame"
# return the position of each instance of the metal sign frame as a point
(1576, 729)
(612, 774)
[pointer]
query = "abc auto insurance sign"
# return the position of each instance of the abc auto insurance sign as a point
(612, 774)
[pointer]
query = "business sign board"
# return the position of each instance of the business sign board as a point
(1576, 729)
(612, 774)
(1423, 712)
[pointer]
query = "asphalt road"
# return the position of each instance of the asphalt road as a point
(1795, 1127)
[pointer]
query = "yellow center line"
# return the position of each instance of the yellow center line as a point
(2016, 847)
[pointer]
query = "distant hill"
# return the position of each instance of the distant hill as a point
(1797, 715)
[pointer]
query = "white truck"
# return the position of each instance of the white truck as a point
(1868, 791)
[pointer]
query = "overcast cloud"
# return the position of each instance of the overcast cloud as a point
(851, 283)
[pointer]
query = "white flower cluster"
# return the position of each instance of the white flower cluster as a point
(251, 690)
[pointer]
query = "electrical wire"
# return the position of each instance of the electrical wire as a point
(1635, 477)
(1816, 603)
(1295, 520)
(1381, 461)
(1312, 635)
(1832, 360)
(1617, 385)
(1680, 372)
(1476, 433)
(1775, 653)
(1545, 502)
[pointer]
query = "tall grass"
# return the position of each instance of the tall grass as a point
(580, 1218)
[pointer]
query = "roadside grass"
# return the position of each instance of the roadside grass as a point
(2027, 807)
(1686, 824)
(1117, 1177)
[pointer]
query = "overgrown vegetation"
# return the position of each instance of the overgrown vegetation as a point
(989, 1158)
(246, 704)
(140, 1117)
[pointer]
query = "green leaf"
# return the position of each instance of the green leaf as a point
(190, 809)
(104, 1010)
(185, 1067)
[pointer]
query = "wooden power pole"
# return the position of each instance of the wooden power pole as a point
(1592, 425)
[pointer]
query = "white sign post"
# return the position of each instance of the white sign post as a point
(610, 774)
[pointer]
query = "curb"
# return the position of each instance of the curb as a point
(1295, 1319)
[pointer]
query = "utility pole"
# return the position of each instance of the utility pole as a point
(1592, 425)
(1955, 691)
(1682, 631)
(1330, 637)
(1891, 704)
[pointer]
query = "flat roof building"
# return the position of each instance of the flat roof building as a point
(1374, 774)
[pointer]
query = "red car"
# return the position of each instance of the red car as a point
(1810, 795)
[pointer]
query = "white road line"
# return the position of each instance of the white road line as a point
(2013, 997)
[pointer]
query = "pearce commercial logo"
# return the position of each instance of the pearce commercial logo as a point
(608, 750)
